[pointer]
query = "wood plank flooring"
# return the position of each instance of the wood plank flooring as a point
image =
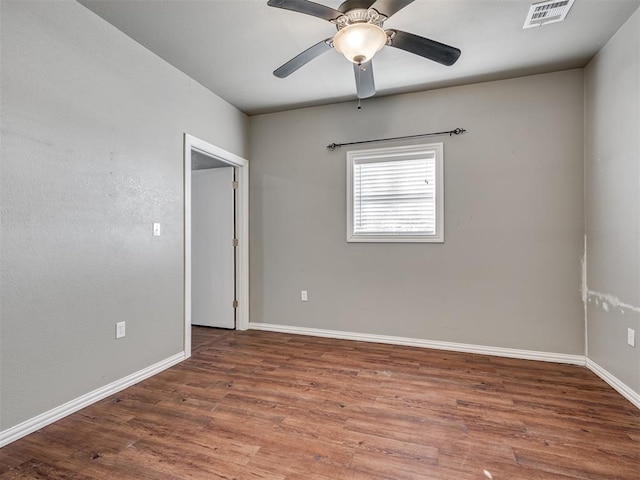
(258, 405)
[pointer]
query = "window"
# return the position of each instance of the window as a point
(395, 194)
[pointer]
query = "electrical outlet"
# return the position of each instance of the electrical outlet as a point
(631, 337)
(303, 296)
(120, 329)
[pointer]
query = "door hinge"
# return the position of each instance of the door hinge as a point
(235, 304)
(235, 242)
(234, 185)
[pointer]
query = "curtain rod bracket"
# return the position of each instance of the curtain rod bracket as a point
(457, 131)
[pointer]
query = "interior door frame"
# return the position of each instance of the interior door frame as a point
(242, 231)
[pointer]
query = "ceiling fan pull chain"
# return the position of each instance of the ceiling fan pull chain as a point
(359, 107)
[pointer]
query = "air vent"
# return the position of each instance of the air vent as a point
(551, 11)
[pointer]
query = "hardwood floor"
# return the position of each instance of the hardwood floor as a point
(258, 405)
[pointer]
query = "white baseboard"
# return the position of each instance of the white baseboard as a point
(36, 423)
(416, 342)
(622, 388)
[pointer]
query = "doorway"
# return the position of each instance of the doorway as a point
(213, 276)
(218, 177)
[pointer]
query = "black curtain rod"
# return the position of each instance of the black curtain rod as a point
(457, 131)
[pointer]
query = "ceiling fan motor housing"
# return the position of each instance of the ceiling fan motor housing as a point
(360, 15)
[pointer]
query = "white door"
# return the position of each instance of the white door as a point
(212, 250)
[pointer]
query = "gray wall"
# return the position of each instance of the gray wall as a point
(612, 163)
(92, 154)
(508, 274)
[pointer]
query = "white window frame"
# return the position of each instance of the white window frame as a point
(397, 153)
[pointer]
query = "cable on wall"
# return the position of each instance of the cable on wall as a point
(457, 131)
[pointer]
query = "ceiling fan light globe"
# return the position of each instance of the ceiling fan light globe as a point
(359, 42)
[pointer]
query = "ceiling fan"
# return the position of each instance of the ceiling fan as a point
(360, 35)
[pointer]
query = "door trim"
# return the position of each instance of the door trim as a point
(242, 223)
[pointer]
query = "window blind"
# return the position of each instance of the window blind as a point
(395, 196)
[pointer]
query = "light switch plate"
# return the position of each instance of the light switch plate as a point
(120, 329)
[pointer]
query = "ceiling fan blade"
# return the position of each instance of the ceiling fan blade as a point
(390, 7)
(365, 85)
(304, 6)
(303, 58)
(436, 51)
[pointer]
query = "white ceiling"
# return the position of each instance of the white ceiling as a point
(232, 46)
